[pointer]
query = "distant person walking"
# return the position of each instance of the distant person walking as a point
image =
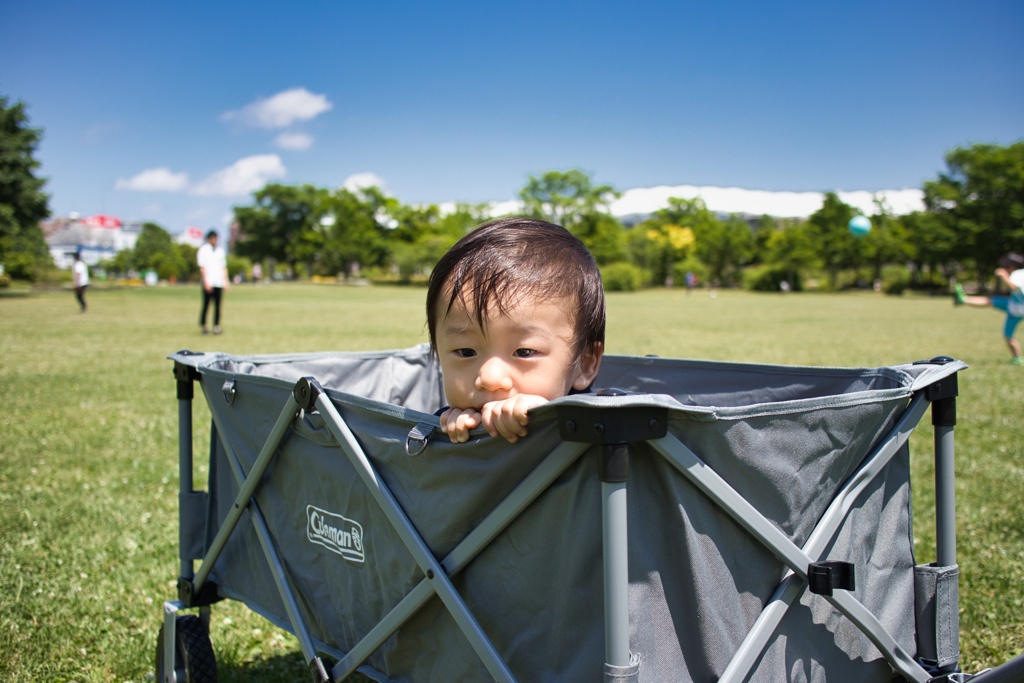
(1011, 273)
(213, 272)
(80, 275)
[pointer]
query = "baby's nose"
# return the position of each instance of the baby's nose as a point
(494, 375)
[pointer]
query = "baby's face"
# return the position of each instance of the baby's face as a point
(527, 350)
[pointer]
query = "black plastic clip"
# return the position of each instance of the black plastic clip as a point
(937, 360)
(307, 391)
(228, 389)
(615, 463)
(942, 394)
(598, 425)
(185, 375)
(207, 595)
(824, 577)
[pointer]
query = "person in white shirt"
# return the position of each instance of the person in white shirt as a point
(1011, 273)
(213, 272)
(80, 273)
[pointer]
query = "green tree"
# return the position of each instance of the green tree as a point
(658, 246)
(305, 213)
(327, 233)
(155, 250)
(286, 224)
(691, 213)
(357, 230)
(887, 242)
(238, 265)
(930, 242)
(603, 235)
(120, 263)
(565, 197)
(423, 235)
(187, 253)
(671, 236)
(23, 204)
(789, 249)
(763, 230)
(722, 246)
(725, 247)
(258, 235)
(981, 198)
(828, 231)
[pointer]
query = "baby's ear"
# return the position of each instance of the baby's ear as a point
(589, 364)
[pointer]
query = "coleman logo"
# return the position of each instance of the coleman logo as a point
(336, 533)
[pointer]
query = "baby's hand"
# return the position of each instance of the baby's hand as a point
(456, 423)
(508, 417)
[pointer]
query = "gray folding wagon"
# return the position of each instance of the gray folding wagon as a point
(696, 521)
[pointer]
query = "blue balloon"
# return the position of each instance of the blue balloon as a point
(859, 226)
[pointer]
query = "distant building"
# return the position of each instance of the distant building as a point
(192, 236)
(96, 237)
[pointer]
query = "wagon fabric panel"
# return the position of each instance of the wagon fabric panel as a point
(785, 439)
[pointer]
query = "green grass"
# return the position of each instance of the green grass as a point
(88, 447)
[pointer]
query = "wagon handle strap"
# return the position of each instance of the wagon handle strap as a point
(417, 438)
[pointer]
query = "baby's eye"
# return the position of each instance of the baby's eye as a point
(525, 353)
(464, 353)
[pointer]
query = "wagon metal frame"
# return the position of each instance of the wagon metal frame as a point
(608, 428)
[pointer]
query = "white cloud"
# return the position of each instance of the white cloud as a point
(643, 200)
(281, 110)
(294, 141)
(242, 177)
(508, 208)
(154, 180)
(782, 204)
(359, 181)
(898, 201)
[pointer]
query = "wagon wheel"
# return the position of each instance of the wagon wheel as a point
(194, 661)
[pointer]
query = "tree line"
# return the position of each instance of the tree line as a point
(974, 213)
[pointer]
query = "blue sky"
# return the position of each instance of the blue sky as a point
(175, 112)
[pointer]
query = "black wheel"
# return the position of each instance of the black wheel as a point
(193, 653)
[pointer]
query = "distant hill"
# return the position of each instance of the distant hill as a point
(639, 202)
(760, 202)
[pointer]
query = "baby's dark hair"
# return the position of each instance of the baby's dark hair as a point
(1012, 261)
(504, 260)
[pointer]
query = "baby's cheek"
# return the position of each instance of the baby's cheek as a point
(458, 393)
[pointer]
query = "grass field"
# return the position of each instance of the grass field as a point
(88, 447)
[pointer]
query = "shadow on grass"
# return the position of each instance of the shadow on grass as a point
(279, 669)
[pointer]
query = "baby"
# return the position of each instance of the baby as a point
(516, 316)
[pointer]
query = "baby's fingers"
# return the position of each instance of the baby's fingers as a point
(509, 418)
(507, 426)
(457, 423)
